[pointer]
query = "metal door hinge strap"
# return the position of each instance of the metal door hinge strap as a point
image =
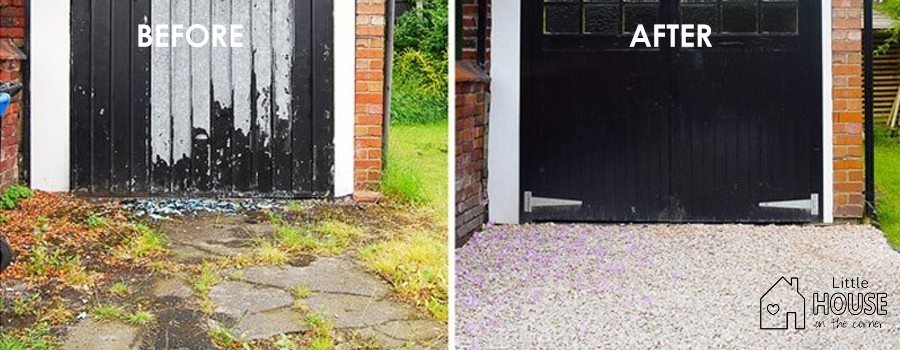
(532, 202)
(811, 204)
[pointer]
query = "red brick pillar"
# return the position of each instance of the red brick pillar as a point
(12, 38)
(472, 99)
(848, 108)
(369, 93)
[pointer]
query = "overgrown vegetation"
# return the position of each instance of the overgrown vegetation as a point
(416, 265)
(72, 257)
(414, 261)
(887, 184)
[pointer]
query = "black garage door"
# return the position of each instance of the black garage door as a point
(251, 120)
(723, 134)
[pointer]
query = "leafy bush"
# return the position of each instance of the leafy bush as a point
(13, 195)
(419, 88)
(423, 28)
(420, 64)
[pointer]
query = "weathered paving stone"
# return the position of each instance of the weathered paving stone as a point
(352, 311)
(411, 329)
(268, 324)
(236, 299)
(102, 336)
(327, 275)
(172, 287)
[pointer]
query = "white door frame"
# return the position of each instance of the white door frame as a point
(503, 143)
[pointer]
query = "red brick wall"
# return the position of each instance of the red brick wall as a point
(848, 108)
(472, 106)
(469, 34)
(369, 92)
(12, 26)
(472, 98)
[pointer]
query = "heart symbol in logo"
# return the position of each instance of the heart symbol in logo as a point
(772, 309)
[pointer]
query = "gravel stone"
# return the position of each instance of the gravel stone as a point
(664, 286)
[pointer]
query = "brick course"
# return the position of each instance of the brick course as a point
(848, 108)
(12, 27)
(370, 39)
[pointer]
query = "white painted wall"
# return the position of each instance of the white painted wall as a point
(503, 143)
(344, 95)
(49, 98)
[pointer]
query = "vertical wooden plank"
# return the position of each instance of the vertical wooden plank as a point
(283, 47)
(200, 96)
(222, 107)
(120, 95)
(100, 108)
(301, 100)
(181, 101)
(242, 76)
(82, 92)
(262, 94)
(323, 92)
(140, 107)
(160, 103)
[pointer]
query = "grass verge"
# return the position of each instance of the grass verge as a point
(416, 171)
(887, 184)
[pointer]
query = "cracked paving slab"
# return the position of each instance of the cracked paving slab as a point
(237, 299)
(102, 336)
(327, 275)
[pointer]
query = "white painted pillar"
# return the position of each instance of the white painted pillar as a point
(49, 81)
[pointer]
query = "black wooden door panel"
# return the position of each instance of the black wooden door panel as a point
(670, 134)
(203, 120)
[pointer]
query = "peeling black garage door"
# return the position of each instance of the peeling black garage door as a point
(231, 121)
(723, 134)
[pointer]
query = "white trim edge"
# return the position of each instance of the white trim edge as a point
(344, 95)
(827, 111)
(49, 94)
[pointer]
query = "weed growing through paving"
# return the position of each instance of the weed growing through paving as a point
(224, 338)
(322, 337)
(140, 318)
(108, 313)
(269, 254)
(328, 237)
(119, 289)
(416, 265)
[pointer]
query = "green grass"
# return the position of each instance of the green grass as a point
(416, 171)
(887, 184)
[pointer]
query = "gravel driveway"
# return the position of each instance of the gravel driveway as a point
(665, 286)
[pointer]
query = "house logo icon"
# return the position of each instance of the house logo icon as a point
(782, 306)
